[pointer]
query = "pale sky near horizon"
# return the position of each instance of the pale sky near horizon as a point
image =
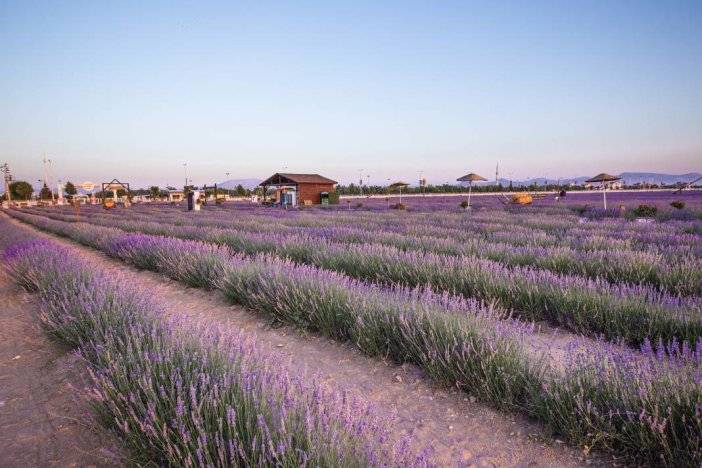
(133, 90)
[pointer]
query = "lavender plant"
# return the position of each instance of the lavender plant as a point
(594, 307)
(644, 405)
(211, 401)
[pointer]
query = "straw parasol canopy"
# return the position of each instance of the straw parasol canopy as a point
(398, 185)
(470, 178)
(603, 178)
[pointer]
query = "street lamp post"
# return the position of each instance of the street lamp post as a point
(360, 181)
(387, 198)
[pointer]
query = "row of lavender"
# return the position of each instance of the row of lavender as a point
(552, 230)
(646, 405)
(677, 270)
(668, 205)
(211, 401)
(669, 239)
(632, 313)
(590, 201)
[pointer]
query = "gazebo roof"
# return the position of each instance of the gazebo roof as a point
(471, 178)
(398, 184)
(604, 177)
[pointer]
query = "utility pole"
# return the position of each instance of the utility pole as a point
(45, 163)
(47, 174)
(8, 178)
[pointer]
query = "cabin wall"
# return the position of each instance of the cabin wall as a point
(312, 192)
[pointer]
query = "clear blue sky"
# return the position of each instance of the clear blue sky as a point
(546, 88)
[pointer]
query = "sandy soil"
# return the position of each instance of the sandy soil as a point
(462, 431)
(45, 418)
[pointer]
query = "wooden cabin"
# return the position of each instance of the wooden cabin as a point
(307, 189)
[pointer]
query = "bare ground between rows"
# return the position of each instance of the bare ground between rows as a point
(45, 417)
(460, 429)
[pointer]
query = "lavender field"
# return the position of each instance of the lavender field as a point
(585, 200)
(588, 322)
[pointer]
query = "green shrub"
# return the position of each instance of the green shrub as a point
(645, 211)
(679, 204)
(334, 198)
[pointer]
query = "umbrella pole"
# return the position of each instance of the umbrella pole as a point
(604, 196)
(470, 189)
(400, 195)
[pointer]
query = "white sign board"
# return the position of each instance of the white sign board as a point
(87, 186)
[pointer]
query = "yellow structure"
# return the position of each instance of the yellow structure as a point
(522, 199)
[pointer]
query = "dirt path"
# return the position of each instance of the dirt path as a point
(45, 419)
(459, 429)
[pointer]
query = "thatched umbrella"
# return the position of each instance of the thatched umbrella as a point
(398, 185)
(470, 178)
(603, 179)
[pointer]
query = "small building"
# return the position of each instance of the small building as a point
(175, 196)
(291, 189)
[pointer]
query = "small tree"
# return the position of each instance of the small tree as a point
(240, 190)
(155, 192)
(21, 190)
(70, 189)
(45, 193)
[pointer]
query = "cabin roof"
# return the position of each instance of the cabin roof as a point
(280, 178)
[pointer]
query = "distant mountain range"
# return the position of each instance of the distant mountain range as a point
(629, 178)
(652, 177)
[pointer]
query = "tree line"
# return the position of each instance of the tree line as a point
(21, 190)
